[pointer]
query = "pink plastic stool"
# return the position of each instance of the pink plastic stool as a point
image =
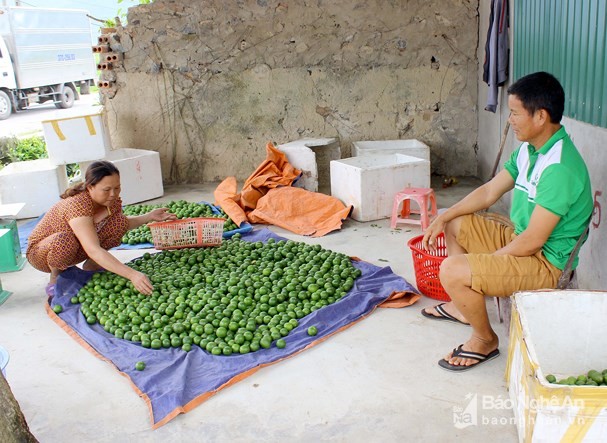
(424, 197)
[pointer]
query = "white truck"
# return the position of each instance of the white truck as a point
(45, 55)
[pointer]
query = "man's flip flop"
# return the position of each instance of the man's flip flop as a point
(443, 315)
(459, 352)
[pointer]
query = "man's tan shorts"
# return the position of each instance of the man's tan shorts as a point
(501, 275)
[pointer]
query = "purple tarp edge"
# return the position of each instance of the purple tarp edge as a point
(173, 377)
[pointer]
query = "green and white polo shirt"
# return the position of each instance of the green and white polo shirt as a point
(556, 178)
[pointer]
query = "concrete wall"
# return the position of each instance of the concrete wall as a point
(207, 83)
(590, 141)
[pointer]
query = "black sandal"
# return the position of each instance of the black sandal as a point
(443, 315)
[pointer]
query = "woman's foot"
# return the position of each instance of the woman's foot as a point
(54, 275)
(90, 265)
(50, 289)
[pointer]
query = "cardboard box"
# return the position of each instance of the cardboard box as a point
(560, 333)
(411, 147)
(140, 174)
(37, 183)
(369, 183)
(77, 139)
(312, 156)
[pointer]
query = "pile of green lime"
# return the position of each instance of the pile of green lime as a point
(236, 298)
(181, 208)
(592, 378)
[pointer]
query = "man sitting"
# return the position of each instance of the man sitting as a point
(551, 207)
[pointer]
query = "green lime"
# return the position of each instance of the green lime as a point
(57, 309)
(595, 376)
(140, 365)
(312, 331)
(239, 297)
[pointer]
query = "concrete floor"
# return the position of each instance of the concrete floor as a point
(376, 381)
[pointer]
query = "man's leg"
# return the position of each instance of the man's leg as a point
(469, 278)
(456, 278)
(453, 249)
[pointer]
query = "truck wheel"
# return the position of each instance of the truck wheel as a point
(65, 100)
(5, 106)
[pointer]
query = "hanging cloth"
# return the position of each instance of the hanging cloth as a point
(495, 67)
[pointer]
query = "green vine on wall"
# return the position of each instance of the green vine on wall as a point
(121, 14)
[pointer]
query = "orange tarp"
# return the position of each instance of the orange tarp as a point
(267, 197)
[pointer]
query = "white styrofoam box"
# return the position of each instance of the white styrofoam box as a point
(312, 156)
(77, 139)
(140, 174)
(37, 183)
(369, 183)
(560, 333)
(411, 147)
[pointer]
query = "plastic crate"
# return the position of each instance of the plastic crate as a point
(369, 183)
(187, 233)
(77, 139)
(426, 265)
(560, 333)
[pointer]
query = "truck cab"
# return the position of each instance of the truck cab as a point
(45, 55)
(7, 81)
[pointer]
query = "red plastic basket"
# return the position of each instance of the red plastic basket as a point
(187, 233)
(426, 265)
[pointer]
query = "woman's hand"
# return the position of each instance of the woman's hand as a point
(161, 214)
(142, 283)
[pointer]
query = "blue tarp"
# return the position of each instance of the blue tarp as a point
(175, 381)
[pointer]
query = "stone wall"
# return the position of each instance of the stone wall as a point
(208, 83)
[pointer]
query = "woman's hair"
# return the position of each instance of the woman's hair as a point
(96, 172)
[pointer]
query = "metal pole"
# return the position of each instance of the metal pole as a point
(501, 149)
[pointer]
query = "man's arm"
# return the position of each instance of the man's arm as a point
(481, 198)
(532, 239)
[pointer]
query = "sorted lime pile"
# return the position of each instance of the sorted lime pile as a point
(236, 298)
(592, 378)
(181, 208)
